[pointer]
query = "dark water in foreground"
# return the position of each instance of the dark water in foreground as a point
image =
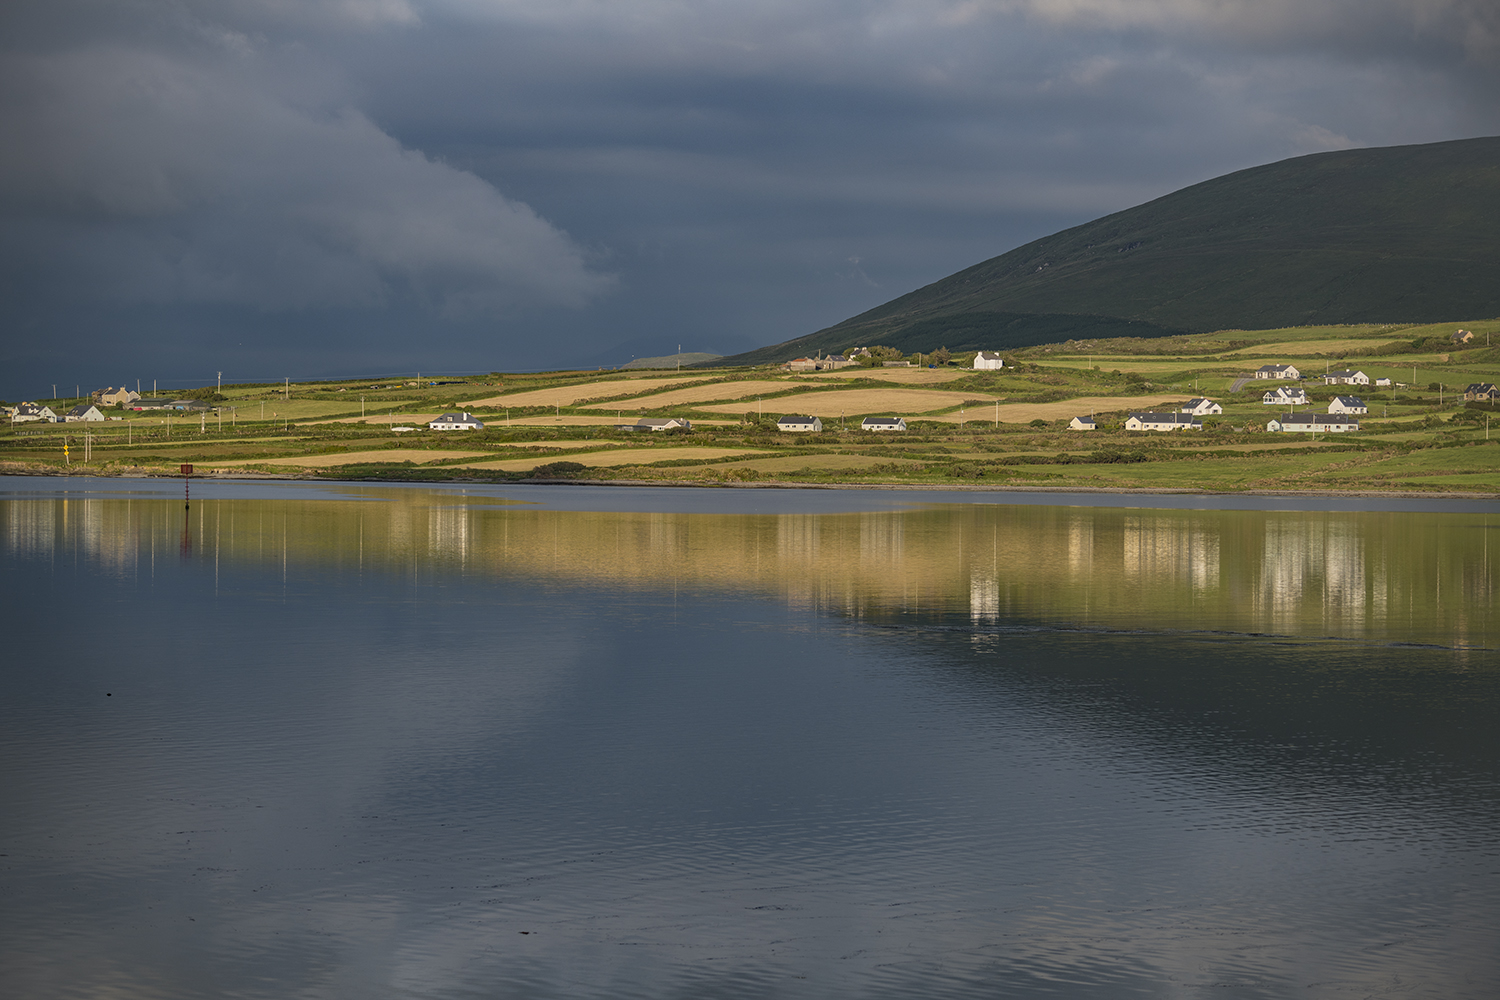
(416, 743)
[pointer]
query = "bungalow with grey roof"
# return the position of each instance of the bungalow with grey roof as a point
(83, 413)
(799, 424)
(455, 422)
(882, 424)
(1312, 423)
(1277, 371)
(1082, 424)
(1201, 407)
(1347, 404)
(1162, 422)
(1346, 377)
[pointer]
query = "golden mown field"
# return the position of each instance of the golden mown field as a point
(567, 395)
(855, 402)
(699, 393)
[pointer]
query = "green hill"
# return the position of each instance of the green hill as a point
(1403, 234)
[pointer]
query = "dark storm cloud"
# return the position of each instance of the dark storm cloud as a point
(485, 183)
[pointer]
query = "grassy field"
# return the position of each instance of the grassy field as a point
(1419, 436)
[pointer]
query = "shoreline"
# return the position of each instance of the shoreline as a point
(139, 473)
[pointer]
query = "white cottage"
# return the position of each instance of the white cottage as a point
(799, 425)
(882, 424)
(663, 424)
(1347, 404)
(1162, 422)
(1287, 395)
(83, 413)
(1346, 377)
(1313, 423)
(1277, 372)
(32, 413)
(988, 361)
(1082, 424)
(455, 422)
(1201, 407)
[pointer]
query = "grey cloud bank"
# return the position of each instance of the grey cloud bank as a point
(274, 189)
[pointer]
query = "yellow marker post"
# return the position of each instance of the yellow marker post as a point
(65, 453)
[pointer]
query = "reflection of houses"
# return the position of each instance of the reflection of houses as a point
(1082, 424)
(1313, 423)
(799, 424)
(1162, 422)
(882, 424)
(455, 422)
(988, 361)
(1277, 372)
(1201, 407)
(1164, 551)
(1286, 395)
(1346, 377)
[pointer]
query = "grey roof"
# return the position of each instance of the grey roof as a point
(1316, 418)
(1175, 417)
(790, 419)
(1349, 400)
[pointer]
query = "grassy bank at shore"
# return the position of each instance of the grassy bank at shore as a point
(1005, 428)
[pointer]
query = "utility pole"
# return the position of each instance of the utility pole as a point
(221, 381)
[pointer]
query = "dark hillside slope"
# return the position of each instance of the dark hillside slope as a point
(1398, 234)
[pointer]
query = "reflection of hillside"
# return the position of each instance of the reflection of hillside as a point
(1406, 576)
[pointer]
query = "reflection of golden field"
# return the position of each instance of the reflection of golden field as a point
(1381, 576)
(418, 455)
(906, 376)
(620, 456)
(1020, 413)
(567, 395)
(699, 393)
(894, 402)
(787, 463)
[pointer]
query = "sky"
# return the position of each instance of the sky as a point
(320, 188)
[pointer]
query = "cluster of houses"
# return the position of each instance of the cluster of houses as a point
(800, 424)
(29, 413)
(1341, 414)
(983, 361)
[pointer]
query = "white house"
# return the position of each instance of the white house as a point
(1201, 407)
(83, 413)
(455, 422)
(663, 424)
(1162, 422)
(1347, 404)
(30, 413)
(1312, 423)
(1346, 377)
(1277, 371)
(1385, 382)
(1082, 424)
(988, 361)
(882, 424)
(1287, 395)
(797, 424)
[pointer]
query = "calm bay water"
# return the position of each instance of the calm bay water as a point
(332, 741)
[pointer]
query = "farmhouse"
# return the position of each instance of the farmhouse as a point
(1347, 404)
(882, 424)
(1286, 395)
(1312, 423)
(1201, 407)
(122, 396)
(83, 413)
(1482, 392)
(31, 413)
(795, 424)
(986, 361)
(1277, 371)
(1346, 377)
(1082, 424)
(663, 424)
(1162, 422)
(1462, 337)
(455, 422)
(802, 365)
